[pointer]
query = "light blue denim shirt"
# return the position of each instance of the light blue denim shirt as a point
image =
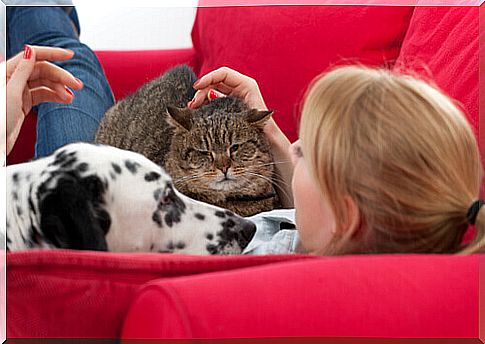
(270, 238)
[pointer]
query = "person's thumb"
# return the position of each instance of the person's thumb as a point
(20, 76)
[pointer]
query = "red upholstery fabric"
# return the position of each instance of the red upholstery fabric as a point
(86, 294)
(285, 47)
(128, 70)
(442, 43)
(360, 296)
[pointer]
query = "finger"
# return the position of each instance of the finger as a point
(44, 94)
(199, 99)
(222, 75)
(223, 88)
(213, 94)
(18, 80)
(41, 54)
(59, 88)
(47, 70)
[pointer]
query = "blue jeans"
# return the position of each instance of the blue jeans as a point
(59, 124)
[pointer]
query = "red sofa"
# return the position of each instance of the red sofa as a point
(107, 295)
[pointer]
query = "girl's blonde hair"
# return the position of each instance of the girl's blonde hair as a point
(402, 151)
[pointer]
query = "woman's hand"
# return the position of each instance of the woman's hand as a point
(32, 80)
(226, 81)
(229, 82)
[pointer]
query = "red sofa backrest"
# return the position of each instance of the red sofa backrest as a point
(285, 47)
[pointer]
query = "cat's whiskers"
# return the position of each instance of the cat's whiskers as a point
(277, 181)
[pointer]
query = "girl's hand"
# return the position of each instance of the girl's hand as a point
(229, 82)
(32, 80)
(226, 81)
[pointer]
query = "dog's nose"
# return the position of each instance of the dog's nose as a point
(246, 233)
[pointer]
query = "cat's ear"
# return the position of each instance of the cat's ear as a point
(258, 117)
(179, 117)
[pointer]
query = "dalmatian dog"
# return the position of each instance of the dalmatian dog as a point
(94, 197)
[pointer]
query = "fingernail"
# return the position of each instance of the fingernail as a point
(189, 104)
(79, 81)
(212, 95)
(69, 91)
(27, 52)
(196, 83)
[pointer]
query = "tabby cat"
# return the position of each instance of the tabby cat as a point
(217, 153)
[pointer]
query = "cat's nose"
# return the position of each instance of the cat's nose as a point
(224, 170)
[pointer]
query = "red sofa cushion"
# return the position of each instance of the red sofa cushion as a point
(285, 47)
(57, 293)
(442, 43)
(360, 296)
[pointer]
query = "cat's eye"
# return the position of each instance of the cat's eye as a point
(234, 148)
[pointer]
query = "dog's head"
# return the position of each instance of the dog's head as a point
(132, 205)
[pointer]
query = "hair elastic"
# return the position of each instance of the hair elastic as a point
(472, 213)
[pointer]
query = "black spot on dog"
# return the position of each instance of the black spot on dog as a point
(180, 245)
(229, 213)
(82, 167)
(212, 249)
(116, 168)
(220, 213)
(228, 224)
(199, 216)
(15, 196)
(287, 225)
(31, 202)
(152, 176)
(210, 236)
(72, 216)
(64, 159)
(19, 211)
(112, 176)
(170, 246)
(157, 193)
(172, 206)
(35, 238)
(152, 247)
(157, 219)
(59, 158)
(132, 166)
(15, 177)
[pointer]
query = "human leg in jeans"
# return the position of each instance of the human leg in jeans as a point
(59, 124)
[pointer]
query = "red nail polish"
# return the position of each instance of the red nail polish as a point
(69, 91)
(27, 52)
(212, 94)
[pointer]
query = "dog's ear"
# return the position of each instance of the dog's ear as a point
(71, 216)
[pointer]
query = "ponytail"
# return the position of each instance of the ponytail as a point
(476, 216)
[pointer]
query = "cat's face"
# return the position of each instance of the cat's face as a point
(221, 149)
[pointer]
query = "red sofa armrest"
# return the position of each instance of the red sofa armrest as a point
(125, 71)
(394, 296)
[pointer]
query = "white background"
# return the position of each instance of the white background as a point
(122, 26)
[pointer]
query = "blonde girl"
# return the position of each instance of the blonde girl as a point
(385, 163)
